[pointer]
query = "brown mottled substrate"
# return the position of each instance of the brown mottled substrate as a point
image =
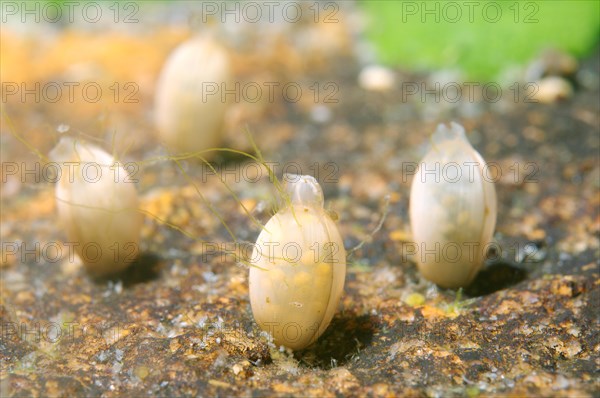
(178, 322)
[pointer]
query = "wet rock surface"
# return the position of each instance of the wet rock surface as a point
(178, 322)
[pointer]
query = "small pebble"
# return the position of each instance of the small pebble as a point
(551, 63)
(376, 78)
(320, 114)
(551, 89)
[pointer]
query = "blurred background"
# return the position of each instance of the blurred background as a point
(314, 82)
(53, 53)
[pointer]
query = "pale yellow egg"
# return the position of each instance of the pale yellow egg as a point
(191, 96)
(452, 209)
(97, 206)
(298, 268)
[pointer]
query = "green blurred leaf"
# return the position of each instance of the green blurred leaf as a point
(481, 38)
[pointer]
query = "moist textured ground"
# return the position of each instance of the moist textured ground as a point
(179, 323)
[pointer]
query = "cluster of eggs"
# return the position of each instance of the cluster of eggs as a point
(298, 266)
(187, 119)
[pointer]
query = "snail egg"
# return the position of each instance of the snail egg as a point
(298, 268)
(452, 209)
(190, 102)
(97, 206)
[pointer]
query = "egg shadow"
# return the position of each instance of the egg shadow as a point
(494, 277)
(145, 268)
(345, 337)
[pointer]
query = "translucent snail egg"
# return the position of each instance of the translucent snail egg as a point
(452, 209)
(97, 206)
(298, 268)
(190, 104)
